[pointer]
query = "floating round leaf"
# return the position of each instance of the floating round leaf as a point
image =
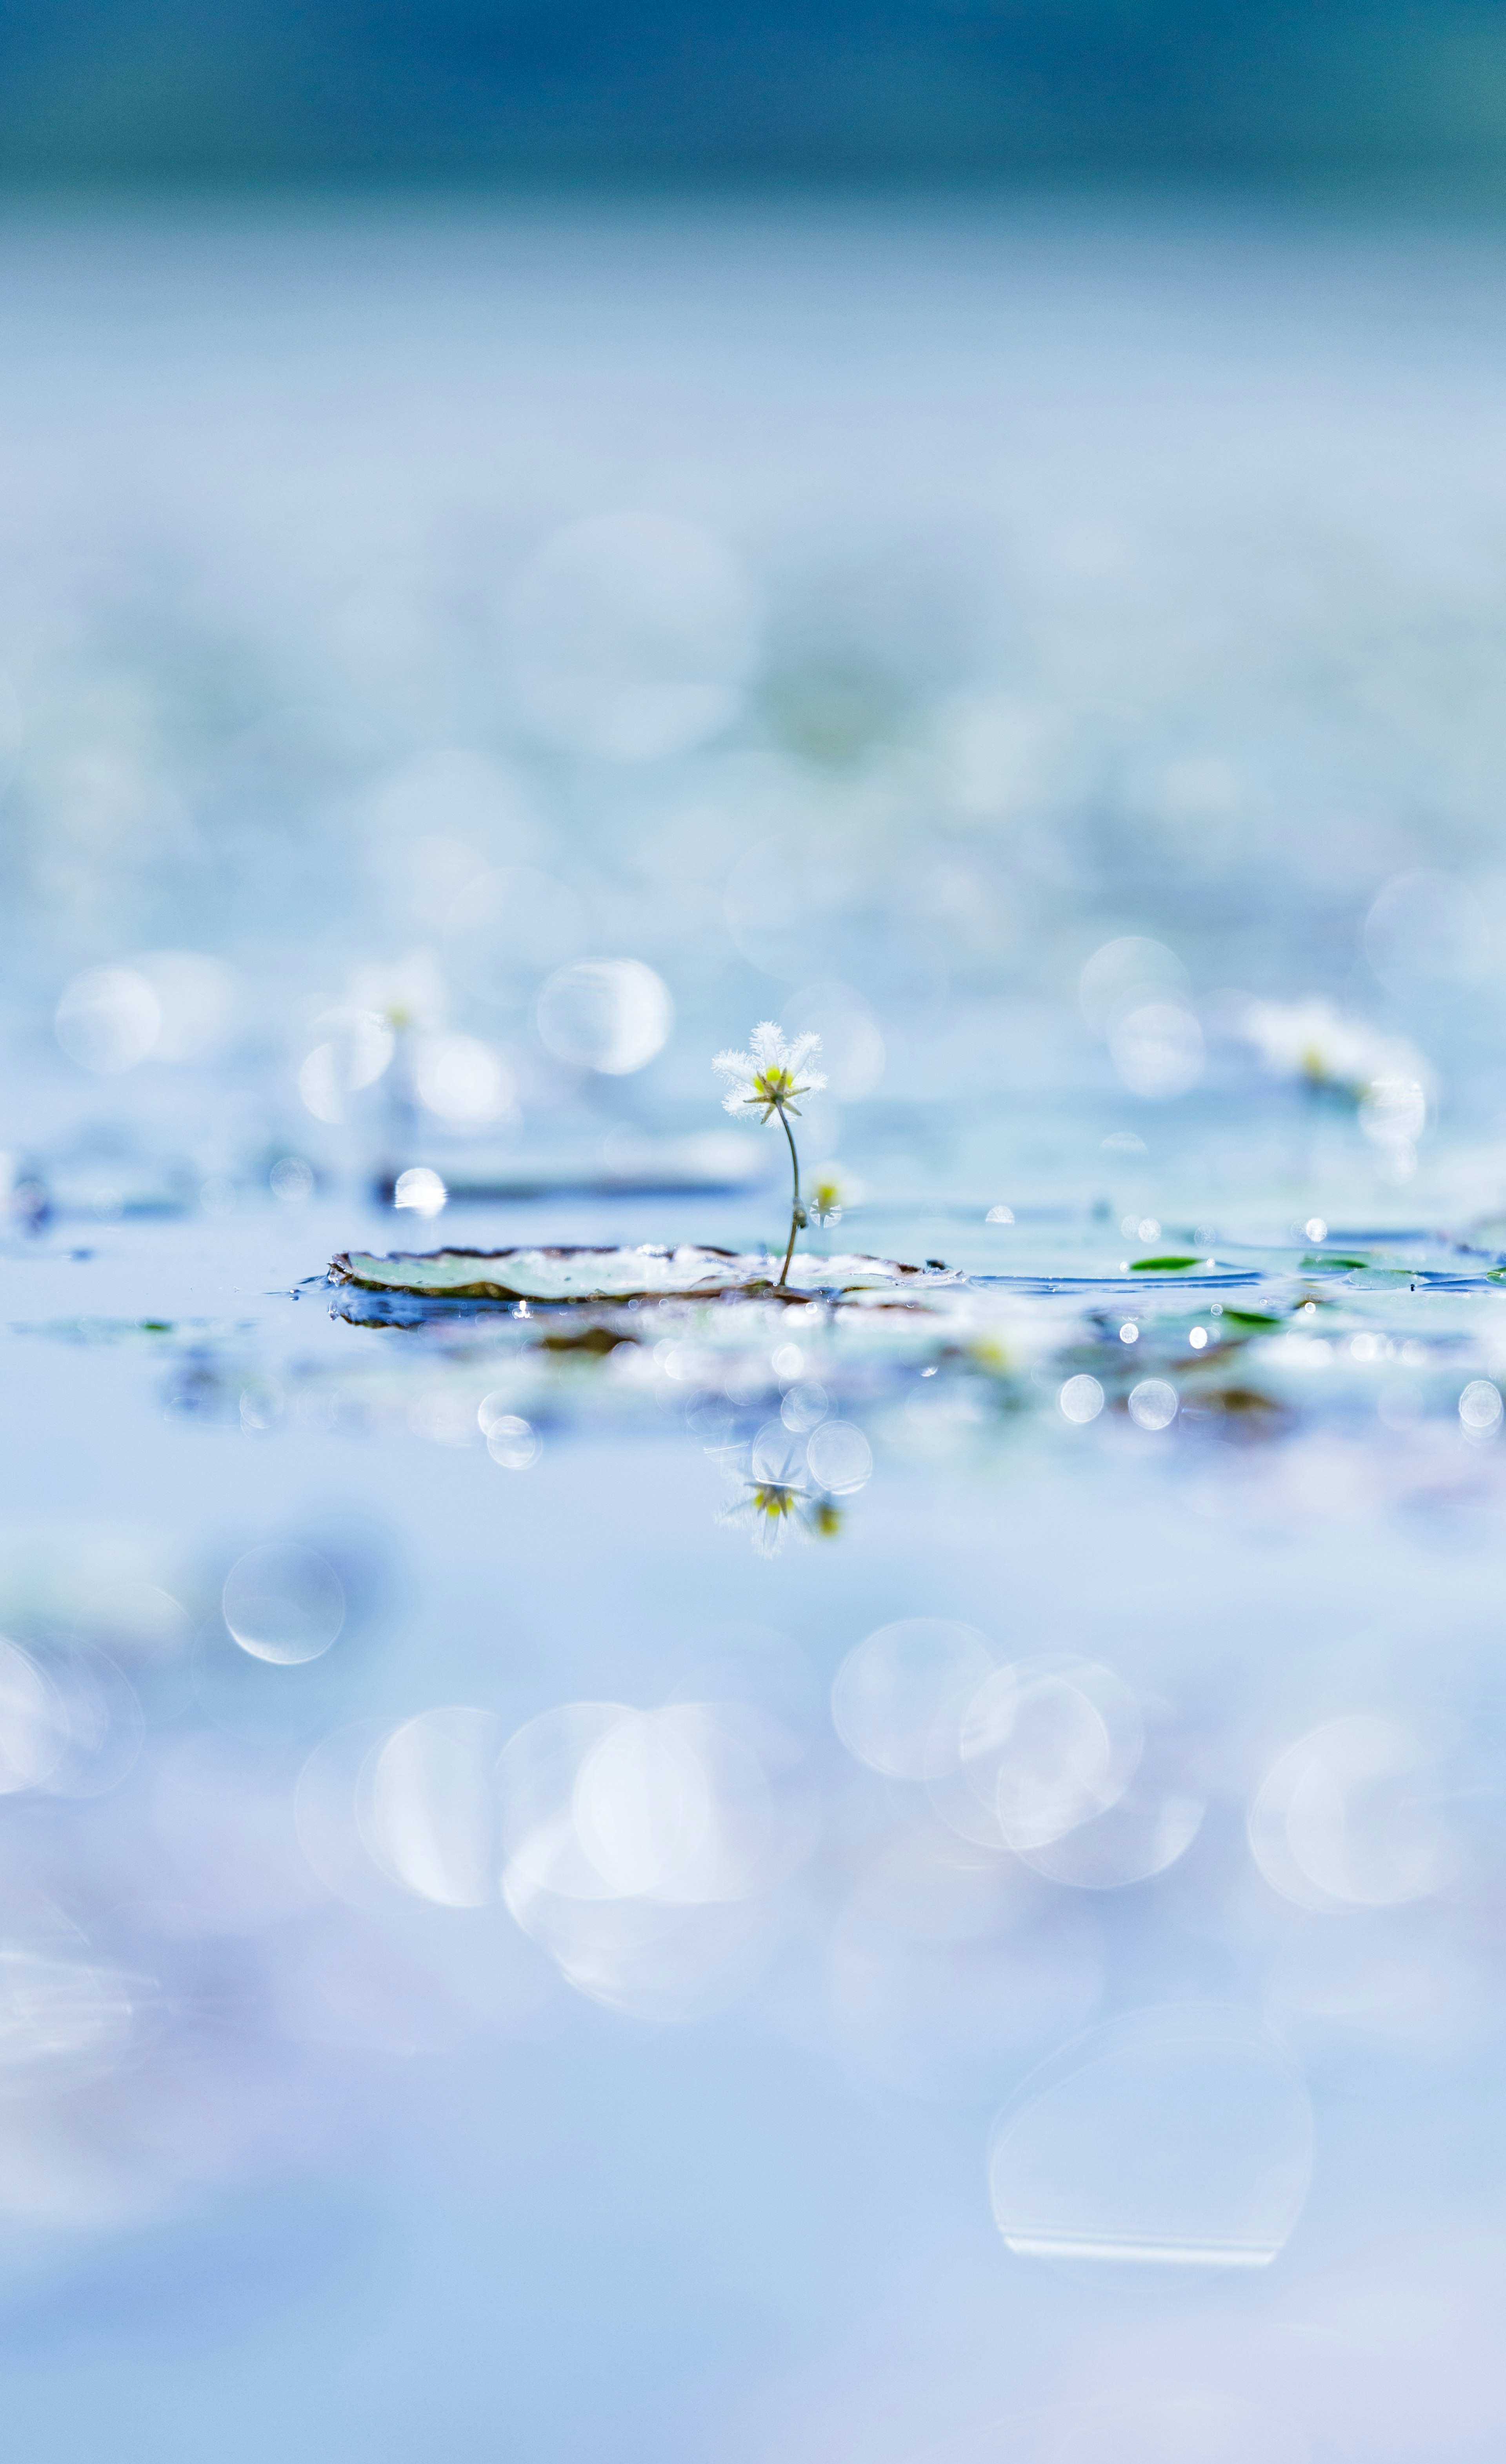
(581, 1274)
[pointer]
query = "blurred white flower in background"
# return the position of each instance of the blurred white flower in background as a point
(1313, 1042)
(403, 993)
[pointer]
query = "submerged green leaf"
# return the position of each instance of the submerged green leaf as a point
(1166, 1266)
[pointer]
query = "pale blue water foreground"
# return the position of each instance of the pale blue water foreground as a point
(908, 1872)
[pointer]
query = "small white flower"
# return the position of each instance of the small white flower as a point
(768, 1079)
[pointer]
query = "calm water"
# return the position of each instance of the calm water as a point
(496, 1951)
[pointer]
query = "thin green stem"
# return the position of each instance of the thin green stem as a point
(795, 1203)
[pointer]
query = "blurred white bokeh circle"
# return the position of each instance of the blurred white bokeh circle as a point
(33, 1721)
(1174, 2138)
(464, 1081)
(899, 1697)
(420, 1191)
(640, 1805)
(283, 1603)
(1127, 973)
(1153, 1403)
(1157, 1048)
(354, 1047)
(199, 1000)
(108, 1019)
(610, 1014)
(1480, 1407)
(1081, 1399)
(806, 1406)
(1048, 1744)
(1393, 1110)
(1361, 1813)
(429, 1812)
(291, 1179)
(597, 1801)
(839, 1458)
(511, 1442)
(104, 1724)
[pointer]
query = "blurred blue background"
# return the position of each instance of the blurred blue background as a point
(872, 91)
(530, 539)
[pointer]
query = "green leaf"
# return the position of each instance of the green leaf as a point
(1162, 1266)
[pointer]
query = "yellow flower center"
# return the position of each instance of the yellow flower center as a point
(775, 1086)
(774, 1502)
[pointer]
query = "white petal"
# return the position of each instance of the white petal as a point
(799, 1053)
(768, 1044)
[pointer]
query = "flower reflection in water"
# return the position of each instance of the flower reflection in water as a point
(777, 1491)
(772, 1508)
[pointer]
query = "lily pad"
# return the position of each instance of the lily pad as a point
(587, 1274)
